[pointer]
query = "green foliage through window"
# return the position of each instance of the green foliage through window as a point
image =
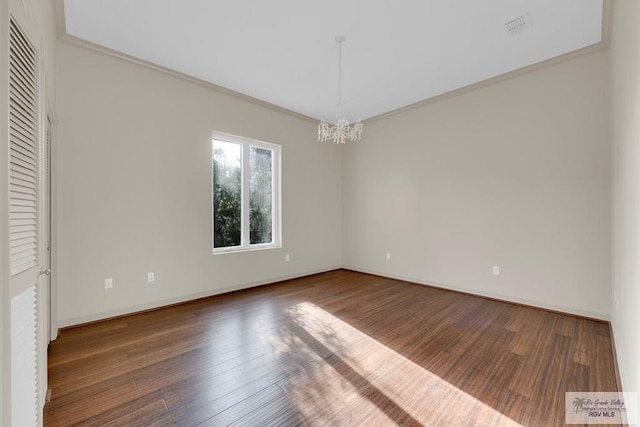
(260, 201)
(234, 162)
(227, 191)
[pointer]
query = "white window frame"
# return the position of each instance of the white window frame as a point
(245, 239)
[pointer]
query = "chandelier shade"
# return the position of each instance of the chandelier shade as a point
(342, 131)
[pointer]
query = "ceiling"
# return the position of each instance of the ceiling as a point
(284, 52)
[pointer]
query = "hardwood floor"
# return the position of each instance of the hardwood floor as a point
(339, 348)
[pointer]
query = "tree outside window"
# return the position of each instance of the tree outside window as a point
(245, 174)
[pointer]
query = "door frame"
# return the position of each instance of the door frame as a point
(53, 290)
(5, 298)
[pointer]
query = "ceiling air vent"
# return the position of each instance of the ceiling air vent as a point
(517, 25)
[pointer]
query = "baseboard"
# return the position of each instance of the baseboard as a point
(125, 311)
(497, 297)
(72, 322)
(616, 366)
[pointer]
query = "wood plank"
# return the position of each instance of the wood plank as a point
(338, 348)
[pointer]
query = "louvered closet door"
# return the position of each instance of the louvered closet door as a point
(24, 102)
(23, 168)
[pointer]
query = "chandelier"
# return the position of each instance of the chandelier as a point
(341, 131)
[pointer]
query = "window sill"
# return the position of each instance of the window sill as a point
(235, 250)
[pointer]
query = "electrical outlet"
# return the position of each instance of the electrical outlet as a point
(151, 277)
(496, 270)
(287, 258)
(108, 283)
(387, 256)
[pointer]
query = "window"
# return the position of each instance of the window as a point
(246, 200)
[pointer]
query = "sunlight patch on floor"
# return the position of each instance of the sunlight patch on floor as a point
(361, 381)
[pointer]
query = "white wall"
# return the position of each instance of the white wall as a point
(514, 174)
(625, 120)
(134, 190)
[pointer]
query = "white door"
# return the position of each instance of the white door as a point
(27, 162)
(45, 249)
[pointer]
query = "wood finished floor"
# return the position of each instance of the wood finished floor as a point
(339, 348)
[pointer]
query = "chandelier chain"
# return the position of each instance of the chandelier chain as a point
(342, 130)
(340, 72)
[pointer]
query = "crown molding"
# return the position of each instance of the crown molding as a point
(603, 44)
(75, 41)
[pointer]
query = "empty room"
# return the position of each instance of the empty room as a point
(347, 213)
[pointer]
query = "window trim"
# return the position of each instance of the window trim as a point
(245, 244)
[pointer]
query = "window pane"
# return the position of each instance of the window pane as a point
(227, 193)
(260, 196)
